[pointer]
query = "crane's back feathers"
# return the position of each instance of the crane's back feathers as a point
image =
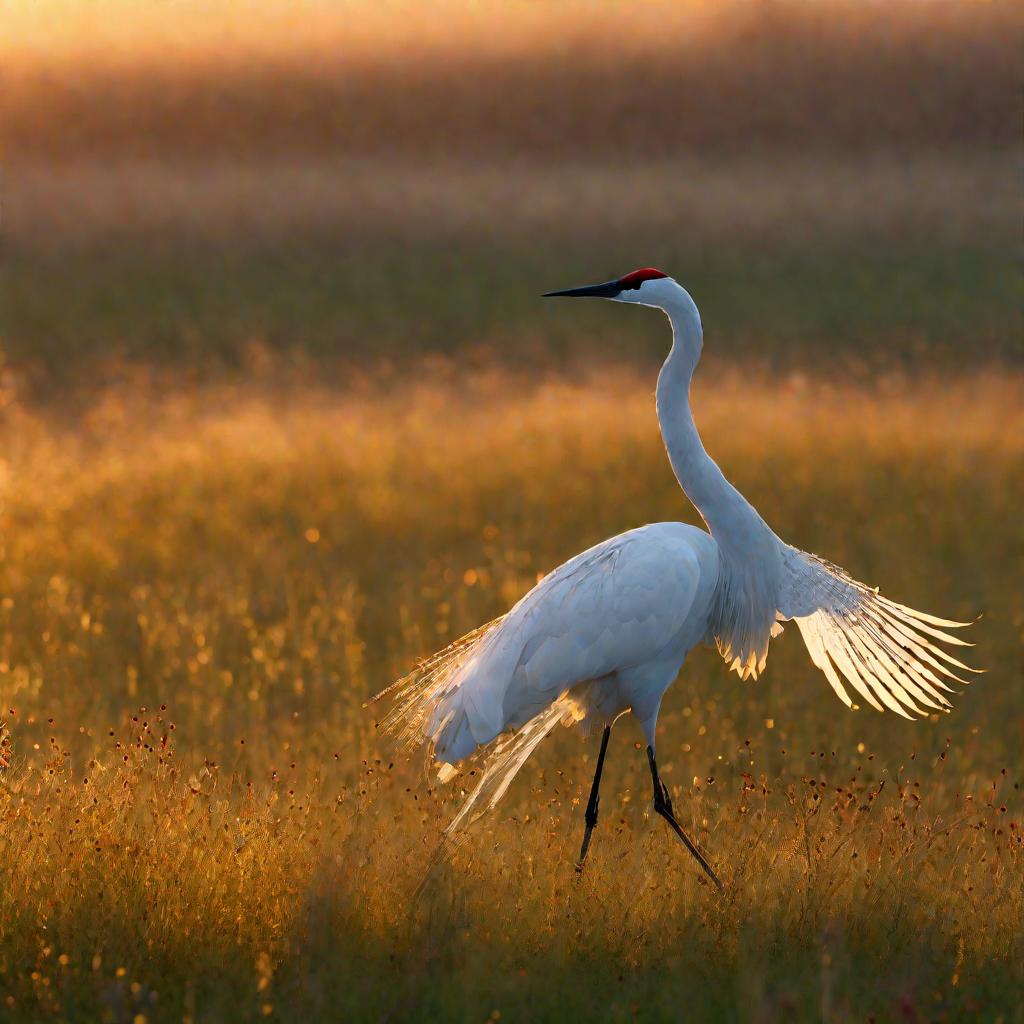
(613, 607)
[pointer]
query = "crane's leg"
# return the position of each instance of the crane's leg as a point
(595, 799)
(663, 806)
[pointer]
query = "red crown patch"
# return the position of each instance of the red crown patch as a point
(637, 277)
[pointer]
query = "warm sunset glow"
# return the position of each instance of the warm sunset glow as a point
(128, 30)
(282, 412)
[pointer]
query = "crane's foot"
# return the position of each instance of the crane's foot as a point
(591, 821)
(663, 807)
(595, 800)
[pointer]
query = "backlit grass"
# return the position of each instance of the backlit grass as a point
(199, 587)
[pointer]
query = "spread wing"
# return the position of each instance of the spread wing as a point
(887, 652)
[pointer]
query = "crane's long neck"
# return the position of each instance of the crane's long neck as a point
(730, 518)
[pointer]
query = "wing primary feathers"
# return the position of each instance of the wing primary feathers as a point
(811, 633)
(887, 681)
(912, 681)
(889, 653)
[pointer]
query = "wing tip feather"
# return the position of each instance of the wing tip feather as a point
(886, 651)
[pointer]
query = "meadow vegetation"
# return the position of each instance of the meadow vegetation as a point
(200, 820)
(281, 412)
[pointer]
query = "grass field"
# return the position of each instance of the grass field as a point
(281, 412)
(200, 589)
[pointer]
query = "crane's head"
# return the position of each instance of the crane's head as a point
(646, 286)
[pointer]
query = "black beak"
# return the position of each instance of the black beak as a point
(608, 290)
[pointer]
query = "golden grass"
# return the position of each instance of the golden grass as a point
(198, 589)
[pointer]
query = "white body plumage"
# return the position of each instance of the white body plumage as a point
(609, 630)
(619, 618)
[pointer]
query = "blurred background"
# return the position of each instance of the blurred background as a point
(281, 411)
(212, 188)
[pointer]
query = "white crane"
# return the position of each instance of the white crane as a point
(608, 631)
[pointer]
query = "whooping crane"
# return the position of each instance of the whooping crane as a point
(608, 631)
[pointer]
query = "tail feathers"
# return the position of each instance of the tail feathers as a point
(507, 755)
(416, 697)
(454, 740)
(426, 709)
